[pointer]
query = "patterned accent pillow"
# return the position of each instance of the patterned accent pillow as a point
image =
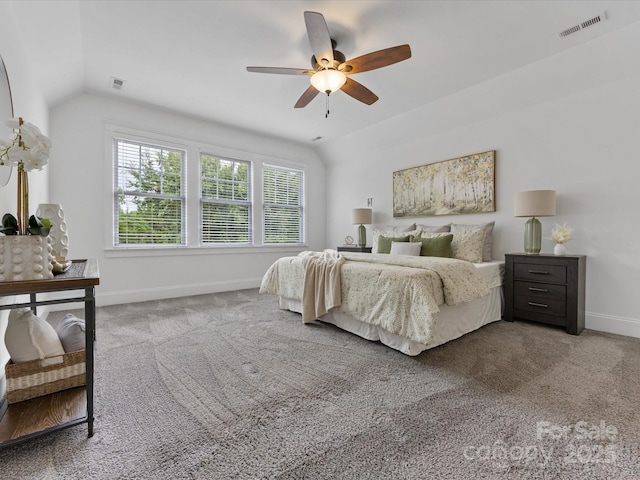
(487, 245)
(400, 228)
(434, 229)
(406, 248)
(467, 245)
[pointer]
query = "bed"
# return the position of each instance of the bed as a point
(453, 321)
(408, 303)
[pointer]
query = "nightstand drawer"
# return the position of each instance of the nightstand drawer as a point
(540, 272)
(540, 291)
(545, 288)
(557, 308)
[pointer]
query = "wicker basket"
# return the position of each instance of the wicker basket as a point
(32, 379)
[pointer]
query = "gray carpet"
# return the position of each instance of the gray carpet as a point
(227, 386)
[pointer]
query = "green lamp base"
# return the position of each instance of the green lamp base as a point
(532, 236)
(362, 236)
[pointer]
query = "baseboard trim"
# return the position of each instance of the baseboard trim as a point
(629, 327)
(148, 294)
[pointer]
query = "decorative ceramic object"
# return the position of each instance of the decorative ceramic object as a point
(560, 249)
(25, 257)
(58, 233)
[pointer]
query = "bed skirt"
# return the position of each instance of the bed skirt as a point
(452, 323)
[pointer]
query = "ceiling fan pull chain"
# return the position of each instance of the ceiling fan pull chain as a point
(326, 115)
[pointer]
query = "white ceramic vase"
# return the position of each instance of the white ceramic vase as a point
(560, 249)
(25, 257)
(58, 233)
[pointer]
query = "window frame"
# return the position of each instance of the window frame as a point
(191, 174)
(117, 192)
(249, 202)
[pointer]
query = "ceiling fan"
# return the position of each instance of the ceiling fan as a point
(330, 70)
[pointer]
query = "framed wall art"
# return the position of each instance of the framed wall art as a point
(450, 187)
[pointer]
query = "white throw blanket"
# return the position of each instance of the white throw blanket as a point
(396, 292)
(321, 288)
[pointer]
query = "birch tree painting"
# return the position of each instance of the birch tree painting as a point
(456, 186)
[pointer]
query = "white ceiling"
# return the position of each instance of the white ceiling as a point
(191, 56)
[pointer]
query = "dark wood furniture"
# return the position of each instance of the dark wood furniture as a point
(355, 249)
(546, 288)
(32, 418)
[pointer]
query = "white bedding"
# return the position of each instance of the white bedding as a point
(399, 293)
(452, 322)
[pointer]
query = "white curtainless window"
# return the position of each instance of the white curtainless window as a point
(283, 205)
(149, 194)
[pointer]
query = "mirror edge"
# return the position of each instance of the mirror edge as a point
(5, 172)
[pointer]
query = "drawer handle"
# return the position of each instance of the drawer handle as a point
(539, 272)
(534, 304)
(534, 289)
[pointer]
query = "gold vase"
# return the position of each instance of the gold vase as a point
(23, 200)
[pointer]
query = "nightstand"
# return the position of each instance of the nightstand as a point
(545, 288)
(355, 249)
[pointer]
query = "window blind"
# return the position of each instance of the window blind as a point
(149, 194)
(225, 201)
(283, 205)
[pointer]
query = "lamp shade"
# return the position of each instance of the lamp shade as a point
(535, 203)
(361, 216)
(328, 81)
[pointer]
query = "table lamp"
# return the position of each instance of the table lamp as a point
(534, 203)
(362, 217)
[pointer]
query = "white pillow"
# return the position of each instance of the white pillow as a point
(406, 248)
(71, 332)
(28, 337)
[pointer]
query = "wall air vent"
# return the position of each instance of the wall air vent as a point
(116, 83)
(582, 25)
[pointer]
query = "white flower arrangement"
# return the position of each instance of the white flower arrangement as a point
(561, 233)
(28, 149)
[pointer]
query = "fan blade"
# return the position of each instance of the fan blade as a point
(359, 92)
(378, 59)
(281, 71)
(319, 37)
(308, 95)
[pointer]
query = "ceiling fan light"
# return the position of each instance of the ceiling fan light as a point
(328, 81)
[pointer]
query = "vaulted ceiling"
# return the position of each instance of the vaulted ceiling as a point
(191, 56)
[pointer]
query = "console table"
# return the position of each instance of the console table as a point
(38, 416)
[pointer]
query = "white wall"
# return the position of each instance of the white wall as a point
(81, 182)
(28, 102)
(568, 123)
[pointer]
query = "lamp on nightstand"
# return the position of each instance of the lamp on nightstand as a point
(362, 217)
(534, 203)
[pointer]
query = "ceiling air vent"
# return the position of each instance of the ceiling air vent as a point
(587, 23)
(116, 83)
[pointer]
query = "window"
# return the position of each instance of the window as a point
(149, 198)
(283, 205)
(225, 201)
(172, 192)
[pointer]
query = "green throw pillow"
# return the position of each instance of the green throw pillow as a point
(439, 246)
(384, 243)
